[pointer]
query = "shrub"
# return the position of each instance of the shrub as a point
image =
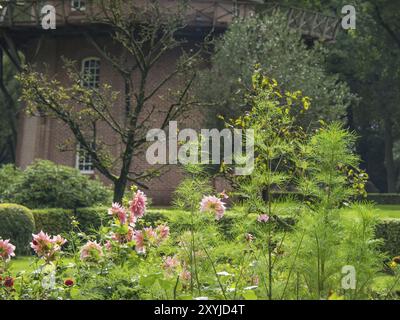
(90, 218)
(384, 198)
(47, 185)
(57, 220)
(9, 174)
(389, 231)
(17, 224)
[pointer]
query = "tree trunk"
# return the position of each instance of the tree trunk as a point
(389, 161)
(119, 190)
(9, 109)
(121, 183)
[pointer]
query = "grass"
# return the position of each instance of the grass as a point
(388, 211)
(21, 264)
(383, 282)
(26, 263)
(382, 212)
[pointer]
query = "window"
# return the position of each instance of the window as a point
(78, 5)
(84, 162)
(91, 72)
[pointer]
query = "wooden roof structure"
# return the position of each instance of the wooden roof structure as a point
(17, 15)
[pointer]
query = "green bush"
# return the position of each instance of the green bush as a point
(384, 198)
(9, 174)
(47, 185)
(389, 231)
(17, 224)
(56, 220)
(53, 221)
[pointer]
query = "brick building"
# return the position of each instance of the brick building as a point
(40, 137)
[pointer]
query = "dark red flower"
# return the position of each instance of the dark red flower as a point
(69, 282)
(9, 282)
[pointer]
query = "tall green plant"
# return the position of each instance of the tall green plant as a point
(326, 238)
(187, 197)
(322, 166)
(277, 141)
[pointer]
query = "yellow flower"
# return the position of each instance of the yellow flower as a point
(335, 296)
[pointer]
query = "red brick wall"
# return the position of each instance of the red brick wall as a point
(40, 138)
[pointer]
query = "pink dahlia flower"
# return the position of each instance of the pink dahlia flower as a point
(130, 235)
(150, 233)
(263, 218)
(42, 244)
(45, 246)
(163, 232)
(91, 251)
(58, 240)
(170, 263)
(6, 250)
(137, 206)
(213, 204)
(123, 238)
(139, 239)
(185, 275)
(118, 211)
(108, 245)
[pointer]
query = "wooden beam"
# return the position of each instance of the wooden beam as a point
(204, 13)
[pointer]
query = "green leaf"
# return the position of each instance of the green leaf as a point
(249, 295)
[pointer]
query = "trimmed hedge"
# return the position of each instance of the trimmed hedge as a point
(389, 231)
(17, 224)
(56, 221)
(45, 184)
(384, 198)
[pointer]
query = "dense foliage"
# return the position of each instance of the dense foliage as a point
(282, 53)
(46, 185)
(16, 224)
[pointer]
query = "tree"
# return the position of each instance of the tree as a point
(284, 56)
(9, 90)
(143, 35)
(368, 58)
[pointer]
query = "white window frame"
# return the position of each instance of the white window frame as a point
(84, 163)
(80, 6)
(83, 68)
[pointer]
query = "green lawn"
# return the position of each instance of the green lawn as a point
(389, 211)
(21, 264)
(382, 211)
(26, 263)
